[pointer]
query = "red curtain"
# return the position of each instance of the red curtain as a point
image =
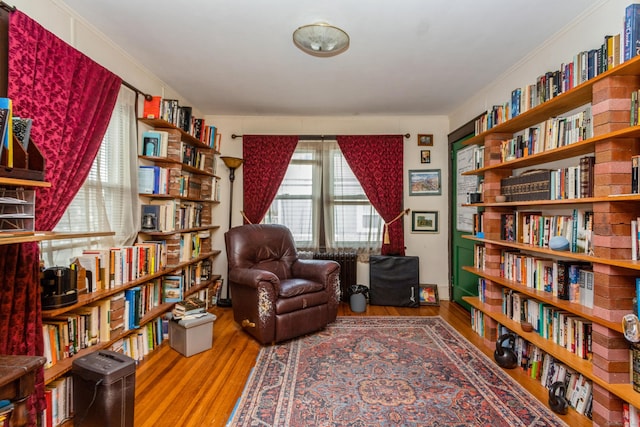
(70, 99)
(266, 158)
(377, 162)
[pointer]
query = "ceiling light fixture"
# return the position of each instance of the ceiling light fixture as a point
(321, 39)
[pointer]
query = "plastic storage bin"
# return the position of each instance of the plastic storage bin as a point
(192, 336)
(104, 384)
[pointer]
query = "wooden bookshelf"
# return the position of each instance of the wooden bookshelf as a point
(614, 142)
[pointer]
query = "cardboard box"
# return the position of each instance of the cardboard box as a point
(192, 336)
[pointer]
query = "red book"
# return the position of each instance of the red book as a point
(152, 108)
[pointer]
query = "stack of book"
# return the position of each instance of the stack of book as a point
(189, 307)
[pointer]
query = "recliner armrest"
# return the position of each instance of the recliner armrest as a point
(252, 277)
(314, 269)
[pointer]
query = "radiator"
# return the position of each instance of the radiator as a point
(348, 266)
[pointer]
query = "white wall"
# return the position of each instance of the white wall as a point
(431, 248)
(585, 32)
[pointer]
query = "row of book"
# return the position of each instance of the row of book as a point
(543, 367)
(537, 229)
(568, 280)
(181, 117)
(571, 182)
(584, 66)
(553, 133)
(170, 215)
(114, 267)
(97, 323)
(120, 265)
(139, 344)
(59, 401)
(561, 327)
(163, 144)
(67, 334)
(153, 179)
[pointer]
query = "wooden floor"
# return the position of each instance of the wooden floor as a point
(202, 390)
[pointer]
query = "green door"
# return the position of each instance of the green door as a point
(463, 283)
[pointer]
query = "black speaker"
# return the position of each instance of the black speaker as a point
(504, 355)
(557, 400)
(394, 280)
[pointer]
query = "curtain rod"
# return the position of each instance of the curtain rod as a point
(7, 7)
(135, 89)
(314, 137)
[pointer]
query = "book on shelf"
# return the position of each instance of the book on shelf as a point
(172, 288)
(154, 143)
(184, 121)
(508, 227)
(151, 108)
(630, 416)
(586, 287)
(631, 31)
(635, 174)
(133, 307)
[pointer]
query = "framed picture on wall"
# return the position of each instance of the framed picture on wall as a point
(425, 156)
(424, 222)
(425, 140)
(424, 182)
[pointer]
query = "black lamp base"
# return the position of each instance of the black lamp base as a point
(224, 302)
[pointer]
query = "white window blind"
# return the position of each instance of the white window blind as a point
(108, 198)
(323, 204)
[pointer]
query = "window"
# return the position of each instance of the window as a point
(107, 201)
(323, 204)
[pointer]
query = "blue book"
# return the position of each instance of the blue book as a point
(631, 31)
(151, 143)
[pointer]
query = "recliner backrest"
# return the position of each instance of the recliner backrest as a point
(267, 247)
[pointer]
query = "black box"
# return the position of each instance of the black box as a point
(104, 384)
(394, 280)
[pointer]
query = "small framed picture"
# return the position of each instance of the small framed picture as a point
(425, 156)
(424, 221)
(425, 140)
(424, 182)
(429, 295)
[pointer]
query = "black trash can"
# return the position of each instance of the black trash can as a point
(104, 384)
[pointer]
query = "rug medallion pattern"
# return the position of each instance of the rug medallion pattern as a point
(384, 371)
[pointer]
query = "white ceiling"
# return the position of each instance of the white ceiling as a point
(407, 57)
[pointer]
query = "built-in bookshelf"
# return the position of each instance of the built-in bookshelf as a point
(132, 296)
(613, 143)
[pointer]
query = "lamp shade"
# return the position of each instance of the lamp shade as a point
(232, 162)
(321, 39)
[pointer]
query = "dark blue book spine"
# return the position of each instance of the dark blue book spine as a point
(631, 31)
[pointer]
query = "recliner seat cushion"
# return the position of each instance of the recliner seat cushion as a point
(300, 302)
(292, 287)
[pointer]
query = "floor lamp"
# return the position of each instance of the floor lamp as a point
(232, 163)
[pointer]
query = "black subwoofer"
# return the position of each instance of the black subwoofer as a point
(394, 280)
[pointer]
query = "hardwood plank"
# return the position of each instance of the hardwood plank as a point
(202, 390)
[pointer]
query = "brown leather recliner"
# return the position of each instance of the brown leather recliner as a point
(275, 295)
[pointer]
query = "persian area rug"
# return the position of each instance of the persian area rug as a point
(384, 371)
